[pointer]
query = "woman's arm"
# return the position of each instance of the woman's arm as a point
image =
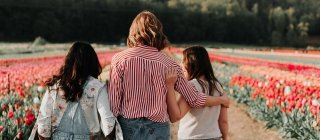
(223, 122)
(176, 109)
(193, 97)
(115, 88)
(108, 121)
(44, 117)
(214, 101)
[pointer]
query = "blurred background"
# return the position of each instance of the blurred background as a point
(293, 23)
(264, 52)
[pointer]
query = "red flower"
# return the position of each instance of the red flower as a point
(10, 114)
(29, 118)
(20, 135)
(1, 128)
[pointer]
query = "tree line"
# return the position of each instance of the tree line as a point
(271, 22)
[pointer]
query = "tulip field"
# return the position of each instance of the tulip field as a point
(285, 96)
(282, 94)
(21, 89)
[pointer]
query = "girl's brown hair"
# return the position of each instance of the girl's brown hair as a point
(197, 63)
(80, 63)
(146, 29)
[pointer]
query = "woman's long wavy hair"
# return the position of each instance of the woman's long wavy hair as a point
(146, 29)
(197, 63)
(80, 63)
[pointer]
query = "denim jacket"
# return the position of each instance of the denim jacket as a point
(94, 103)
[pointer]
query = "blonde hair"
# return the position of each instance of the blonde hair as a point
(146, 29)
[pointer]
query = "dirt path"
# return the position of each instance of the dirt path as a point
(241, 126)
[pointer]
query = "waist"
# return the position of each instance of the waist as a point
(154, 109)
(159, 117)
(140, 121)
(61, 134)
(218, 138)
(65, 135)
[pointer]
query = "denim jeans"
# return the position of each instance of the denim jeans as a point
(144, 129)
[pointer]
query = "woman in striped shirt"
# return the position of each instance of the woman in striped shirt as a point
(137, 82)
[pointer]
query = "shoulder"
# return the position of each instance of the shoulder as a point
(168, 61)
(219, 88)
(196, 84)
(93, 82)
(125, 54)
(193, 81)
(93, 86)
(166, 58)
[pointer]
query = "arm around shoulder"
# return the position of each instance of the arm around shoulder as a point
(214, 101)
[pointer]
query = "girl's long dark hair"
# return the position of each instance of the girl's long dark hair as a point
(80, 63)
(197, 63)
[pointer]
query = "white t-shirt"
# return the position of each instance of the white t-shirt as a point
(201, 123)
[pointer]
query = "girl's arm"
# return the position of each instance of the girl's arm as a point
(223, 122)
(176, 109)
(223, 117)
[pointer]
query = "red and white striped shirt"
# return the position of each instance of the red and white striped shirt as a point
(137, 84)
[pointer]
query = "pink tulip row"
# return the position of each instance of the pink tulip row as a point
(27, 72)
(297, 68)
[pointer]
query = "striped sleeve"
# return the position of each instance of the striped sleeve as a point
(115, 89)
(189, 92)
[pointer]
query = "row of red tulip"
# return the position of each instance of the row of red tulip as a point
(288, 95)
(281, 74)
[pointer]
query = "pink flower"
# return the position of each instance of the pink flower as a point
(21, 92)
(20, 135)
(17, 121)
(4, 107)
(17, 106)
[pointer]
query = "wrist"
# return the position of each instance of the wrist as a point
(222, 101)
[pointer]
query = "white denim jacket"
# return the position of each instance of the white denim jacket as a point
(94, 103)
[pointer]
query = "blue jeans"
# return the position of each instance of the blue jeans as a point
(144, 129)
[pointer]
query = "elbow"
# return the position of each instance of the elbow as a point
(174, 119)
(223, 122)
(196, 105)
